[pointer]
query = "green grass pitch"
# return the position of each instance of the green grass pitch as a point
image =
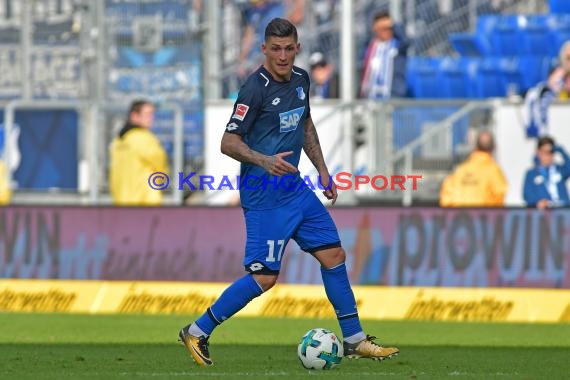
(58, 346)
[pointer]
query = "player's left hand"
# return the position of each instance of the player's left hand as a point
(330, 188)
(277, 165)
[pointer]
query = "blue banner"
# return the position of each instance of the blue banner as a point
(46, 151)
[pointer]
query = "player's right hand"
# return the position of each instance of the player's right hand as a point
(276, 165)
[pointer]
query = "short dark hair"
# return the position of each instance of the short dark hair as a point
(279, 27)
(381, 15)
(545, 140)
(137, 105)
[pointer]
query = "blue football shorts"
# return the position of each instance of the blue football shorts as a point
(306, 220)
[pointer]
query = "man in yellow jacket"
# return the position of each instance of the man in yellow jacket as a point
(5, 189)
(477, 182)
(135, 154)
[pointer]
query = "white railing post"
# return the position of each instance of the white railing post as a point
(178, 153)
(407, 199)
(92, 152)
(347, 91)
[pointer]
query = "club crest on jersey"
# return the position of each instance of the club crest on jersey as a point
(300, 93)
(241, 111)
(288, 121)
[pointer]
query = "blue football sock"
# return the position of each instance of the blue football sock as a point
(342, 298)
(232, 300)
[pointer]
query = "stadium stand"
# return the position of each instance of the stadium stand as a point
(157, 53)
(506, 54)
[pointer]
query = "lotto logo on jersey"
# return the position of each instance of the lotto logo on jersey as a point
(241, 111)
(288, 121)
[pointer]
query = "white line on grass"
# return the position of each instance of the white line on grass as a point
(457, 373)
(245, 374)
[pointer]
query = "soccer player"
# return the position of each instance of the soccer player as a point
(270, 125)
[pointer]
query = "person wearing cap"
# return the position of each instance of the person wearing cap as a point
(325, 82)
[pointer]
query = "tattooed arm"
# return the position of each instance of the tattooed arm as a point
(234, 147)
(312, 148)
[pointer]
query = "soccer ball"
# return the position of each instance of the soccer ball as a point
(320, 349)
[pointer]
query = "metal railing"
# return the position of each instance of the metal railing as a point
(431, 21)
(387, 138)
(446, 125)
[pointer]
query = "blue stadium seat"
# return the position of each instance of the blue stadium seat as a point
(533, 69)
(485, 28)
(506, 52)
(422, 77)
(559, 6)
(536, 36)
(412, 74)
(559, 27)
(512, 75)
(466, 44)
(458, 77)
(506, 38)
(488, 76)
(493, 75)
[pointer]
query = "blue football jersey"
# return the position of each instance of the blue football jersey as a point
(270, 116)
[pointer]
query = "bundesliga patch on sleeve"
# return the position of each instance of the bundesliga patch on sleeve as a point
(241, 111)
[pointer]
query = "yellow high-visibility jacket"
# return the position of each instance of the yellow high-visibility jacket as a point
(5, 190)
(133, 158)
(477, 182)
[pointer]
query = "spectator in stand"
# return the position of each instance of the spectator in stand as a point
(324, 78)
(325, 14)
(384, 71)
(545, 183)
(135, 154)
(559, 79)
(5, 188)
(477, 182)
(539, 97)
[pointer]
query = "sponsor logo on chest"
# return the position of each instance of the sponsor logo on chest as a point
(289, 120)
